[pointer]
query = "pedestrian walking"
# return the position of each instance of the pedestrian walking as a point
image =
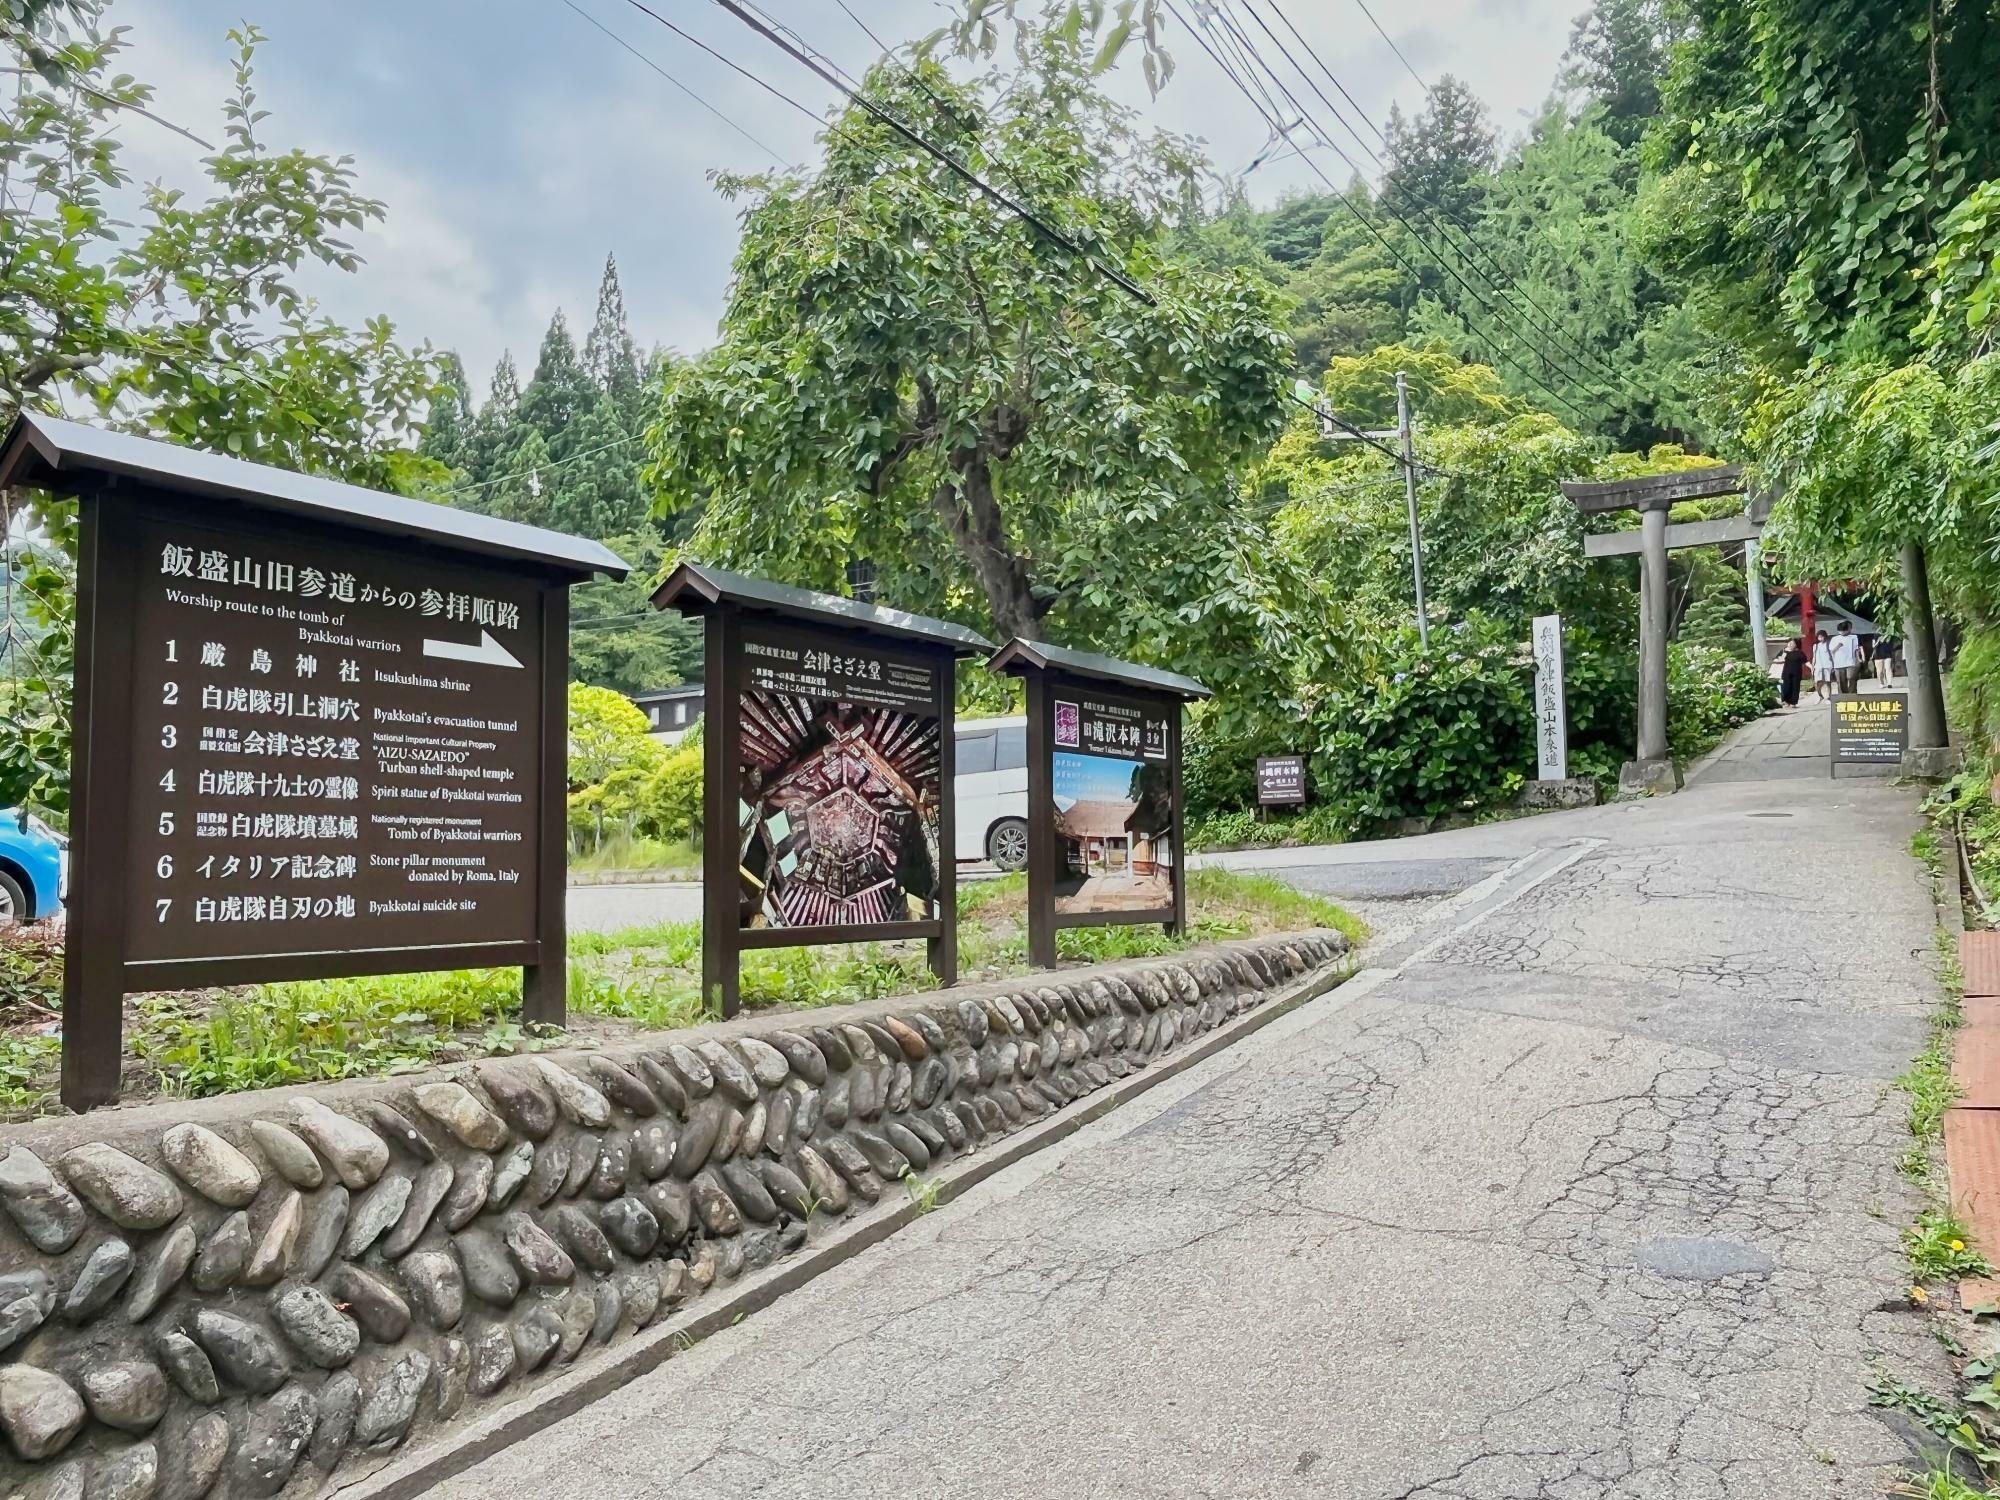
(1822, 667)
(1845, 649)
(1794, 668)
(1885, 660)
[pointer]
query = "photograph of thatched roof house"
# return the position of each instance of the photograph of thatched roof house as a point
(1115, 820)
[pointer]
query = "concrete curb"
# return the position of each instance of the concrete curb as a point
(413, 1474)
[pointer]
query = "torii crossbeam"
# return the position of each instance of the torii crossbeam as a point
(1652, 769)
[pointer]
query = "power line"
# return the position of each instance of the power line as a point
(1392, 45)
(952, 163)
(1469, 245)
(698, 99)
(553, 467)
(1370, 226)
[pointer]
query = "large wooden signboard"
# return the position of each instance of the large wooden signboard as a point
(828, 771)
(1104, 791)
(319, 731)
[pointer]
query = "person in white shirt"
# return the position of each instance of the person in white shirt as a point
(1822, 667)
(1846, 652)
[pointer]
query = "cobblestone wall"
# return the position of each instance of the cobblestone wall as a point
(234, 1299)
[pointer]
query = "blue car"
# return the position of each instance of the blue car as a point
(34, 868)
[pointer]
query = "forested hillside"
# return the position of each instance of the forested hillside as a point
(565, 451)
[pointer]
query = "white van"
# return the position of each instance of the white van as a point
(992, 791)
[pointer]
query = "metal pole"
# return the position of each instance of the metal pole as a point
(1753, 578)
(1410, 494)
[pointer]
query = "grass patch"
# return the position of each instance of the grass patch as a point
(1938, 1485)
(644, 978)
(624, 851)
(1939, 1248)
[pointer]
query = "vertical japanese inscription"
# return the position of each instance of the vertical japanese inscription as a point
(335, 747)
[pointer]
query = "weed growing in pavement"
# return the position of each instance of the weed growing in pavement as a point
(923, 1192)
(1937, 1485)
(1939, 1250)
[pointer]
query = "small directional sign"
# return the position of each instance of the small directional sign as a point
(488, 653)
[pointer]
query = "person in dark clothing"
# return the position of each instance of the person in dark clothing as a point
(1884, 657)
(1793, 669)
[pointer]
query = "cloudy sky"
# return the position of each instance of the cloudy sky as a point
(515, 142)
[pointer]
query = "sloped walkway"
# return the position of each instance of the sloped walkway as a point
(1586, 1189)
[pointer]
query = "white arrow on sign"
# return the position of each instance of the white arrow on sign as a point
(488, 652)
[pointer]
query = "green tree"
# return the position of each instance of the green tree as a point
(448, 429)
(1439, 161)
(910, 374)
(559, 393)
(1617, 58)
(609, 355)
(607, 733)
(182, 320)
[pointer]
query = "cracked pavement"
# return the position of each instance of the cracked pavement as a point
(1585, 1189)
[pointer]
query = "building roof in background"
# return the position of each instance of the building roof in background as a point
(693, 587)
(668, 694)
(1095, 818)
(71, 457)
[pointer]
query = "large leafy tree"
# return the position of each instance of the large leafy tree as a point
(912, 374)
(185, 322)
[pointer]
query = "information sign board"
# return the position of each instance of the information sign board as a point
(1870, 729)
(1281, 780)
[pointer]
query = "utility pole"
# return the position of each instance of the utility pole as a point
(1410, 494)
(1333, 429)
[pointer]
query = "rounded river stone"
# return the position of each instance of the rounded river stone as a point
(449, 1377)
(389, 1405)
(317, 1329)
(822, 1182)
(673, 1206)
(767, 1064)
(489, 1273)
(225, 1255)
(130, 1474)
(492, 1359)
(38, 1411)
(778, 1123)
(746, 1186)
(583, 1239)
(130, 1395)
(49, 1214)
(614, 1162)
(513, 1170)
(322, 1241)
(550, 1171)
(907, 1038)
(210, 1165)
(276, 1436)
(389, 1122)
(126, 1191)
(786, 1189)
(833, 1047)
(731, 1077)
(272, 1256)
(653, 1150)
(104, 1272)
(623, 1086)
(537, 1337)
(454, 1106)
(698, 1139)
(717, 1209)
(357, 1154)
(202, 1452)
(469, 1192)
(374, 1304)
(190, 1368)
(436, 1285)
(540, 1258)
(292, 1157)
(338, 1404)
(693, 1072)
(241, 1351)
(640, 1290)
(520, 1099)
(666, 1085)
(426, 1193)
(800, 1055)
(631, 1226)
(582, 1104)
(26, 1300)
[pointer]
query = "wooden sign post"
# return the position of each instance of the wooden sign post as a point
(319, 731)
(829, 757)
(1105, 823)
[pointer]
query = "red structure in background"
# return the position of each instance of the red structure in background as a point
(1808, 609)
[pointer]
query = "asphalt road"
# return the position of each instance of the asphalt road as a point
(607, 908)
(1584, 1189)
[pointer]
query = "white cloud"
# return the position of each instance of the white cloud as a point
(513, 154)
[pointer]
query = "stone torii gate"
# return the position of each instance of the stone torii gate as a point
(1653, 770)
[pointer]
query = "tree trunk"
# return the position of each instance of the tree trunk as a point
(971, 514)
(1920, 661)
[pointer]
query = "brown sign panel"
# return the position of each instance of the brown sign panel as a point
(1112, 778)
(839, 780)
(336, 746)
(1281, 780)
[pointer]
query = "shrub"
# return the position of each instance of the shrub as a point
(1432, 734)
(1709, 693)
(669, 800)
(1975, 687)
